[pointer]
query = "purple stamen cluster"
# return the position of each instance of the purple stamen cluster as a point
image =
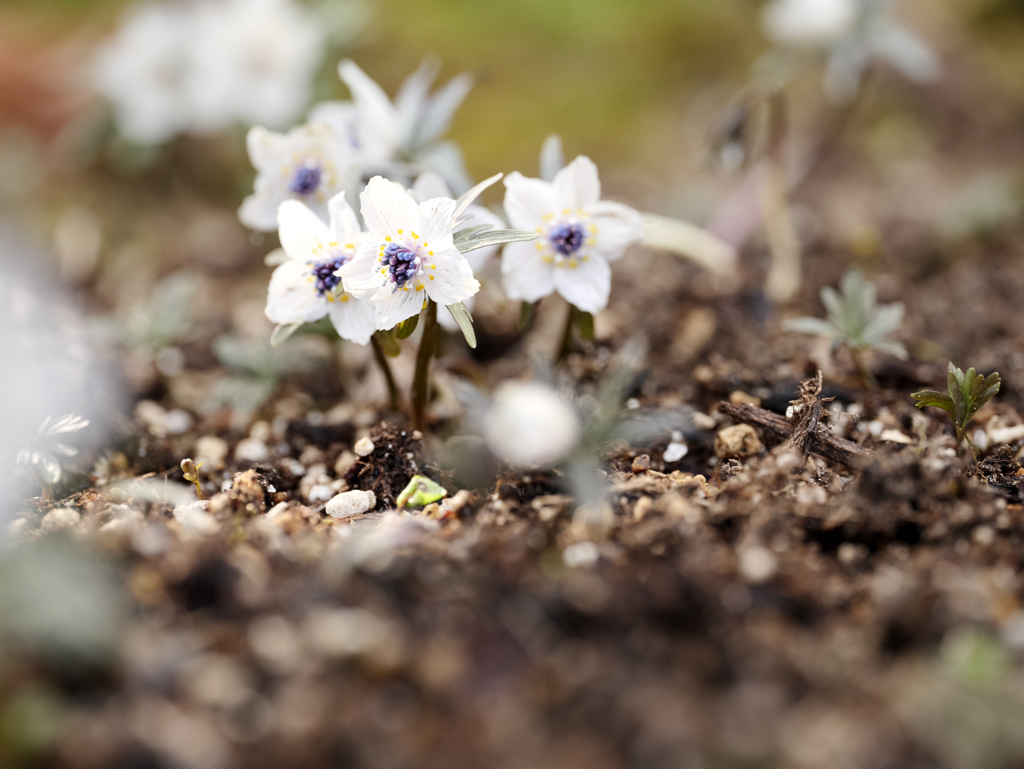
(567, 239)
(306, 180)
(401, 263)
(326, 280)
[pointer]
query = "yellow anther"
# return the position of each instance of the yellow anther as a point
(433, 266)
(401, 231)
(431, 277)
(417, 237)
(430, 253)
(424, 244)
(388, 237)
(344, 297)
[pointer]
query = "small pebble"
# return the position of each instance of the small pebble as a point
(364, 447)
(211, 450)
(757, 564)
(320, 493)
(675, 451)
(737, 441)
(252, 450)
(345, 461)
(178, 421)
(60, 518)
(580, 555)
(641, 464)
(350, 503)
(195, 520)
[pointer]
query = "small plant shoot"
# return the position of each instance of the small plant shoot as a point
(967, 394)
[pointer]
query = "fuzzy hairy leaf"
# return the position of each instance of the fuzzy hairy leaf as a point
(466, 200)
(465, 321)
(490, 238)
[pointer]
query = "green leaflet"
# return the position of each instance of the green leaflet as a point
(473, 238)
(388, 343)
(968, 392)
(465, 321)
(404, 329)
(282, 332)
(420, 492)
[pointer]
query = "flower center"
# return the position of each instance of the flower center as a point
(326, 280)
(401, 262)
(306, 179)
(567, 239)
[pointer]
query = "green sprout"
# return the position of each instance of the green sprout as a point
(420, 492)
(856, 320)
(967, 393)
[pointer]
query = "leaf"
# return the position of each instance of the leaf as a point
(388, 343)
(420, 492)
(527, 311)
(494, 238)
(404, 329)
(465, 321)
(464, 235)
(809, 326)
(282, 333)
(967, 394)
(466, 199)
(585, 323)
(933, 398)
(552, 158)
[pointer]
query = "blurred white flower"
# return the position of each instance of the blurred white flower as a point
(47, 454)
(144, 70)
(400, 139)
(200, 67)
(809, 23)
(254, 62)
(579, 235)
(408, 256)
(432, 185)
(306, 287)
(529, 424)
(853, 33)
(308, 164)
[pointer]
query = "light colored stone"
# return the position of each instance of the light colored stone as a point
(345, 461)
(252, 450)
(674, 452)
(580, 555)
(895, 436)
(194, 519)
(320, 493)
(737, 441)
(364, 447)
(60, 518)
(211, 450)
(350, 503)
(757, 564)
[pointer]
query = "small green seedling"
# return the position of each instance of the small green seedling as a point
(420, 492)
(856, 320)
(967, 393)
(191, 472)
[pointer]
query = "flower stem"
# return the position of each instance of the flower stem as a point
(864, 370)
(566, 343)
(421, 379)
(389, 377)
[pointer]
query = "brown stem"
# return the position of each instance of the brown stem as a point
(421, 379)
(862, 369)
(566, 343)
(389, 377)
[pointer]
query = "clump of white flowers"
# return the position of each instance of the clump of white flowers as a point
(201, 67)
(853, 34)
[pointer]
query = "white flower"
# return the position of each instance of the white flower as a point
(306, 287)
(809, 23)
(530, 424)
(409, 255)
(255, 61)
(307, 164)
(402, 138)
(853, 33)
(579, 235)
(143, 70)
(431, 185)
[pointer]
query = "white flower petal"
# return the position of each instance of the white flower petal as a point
(353, 318)
(442, 107)
(362, 275)
(265, 147)
(376, 112)
(448, 277)
(437, 229)
(577, 185)
(411, 99)
(259, 212)
(292, 296)
(430, 184)
(587, 285)
(392, 307)
(304, 236)
(530, 424)
(528, 201)
(618, 227)
(344, 224)
(388, 208)
(524, 273)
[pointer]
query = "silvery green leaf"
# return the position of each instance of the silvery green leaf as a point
(466, 200)
(47, 467)
(890, 347)
(282, 332)
(552, 158)
(463, 236)
(884, 320)
(465, 321)
(494, 238)
(69, 423)
(805, 325)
